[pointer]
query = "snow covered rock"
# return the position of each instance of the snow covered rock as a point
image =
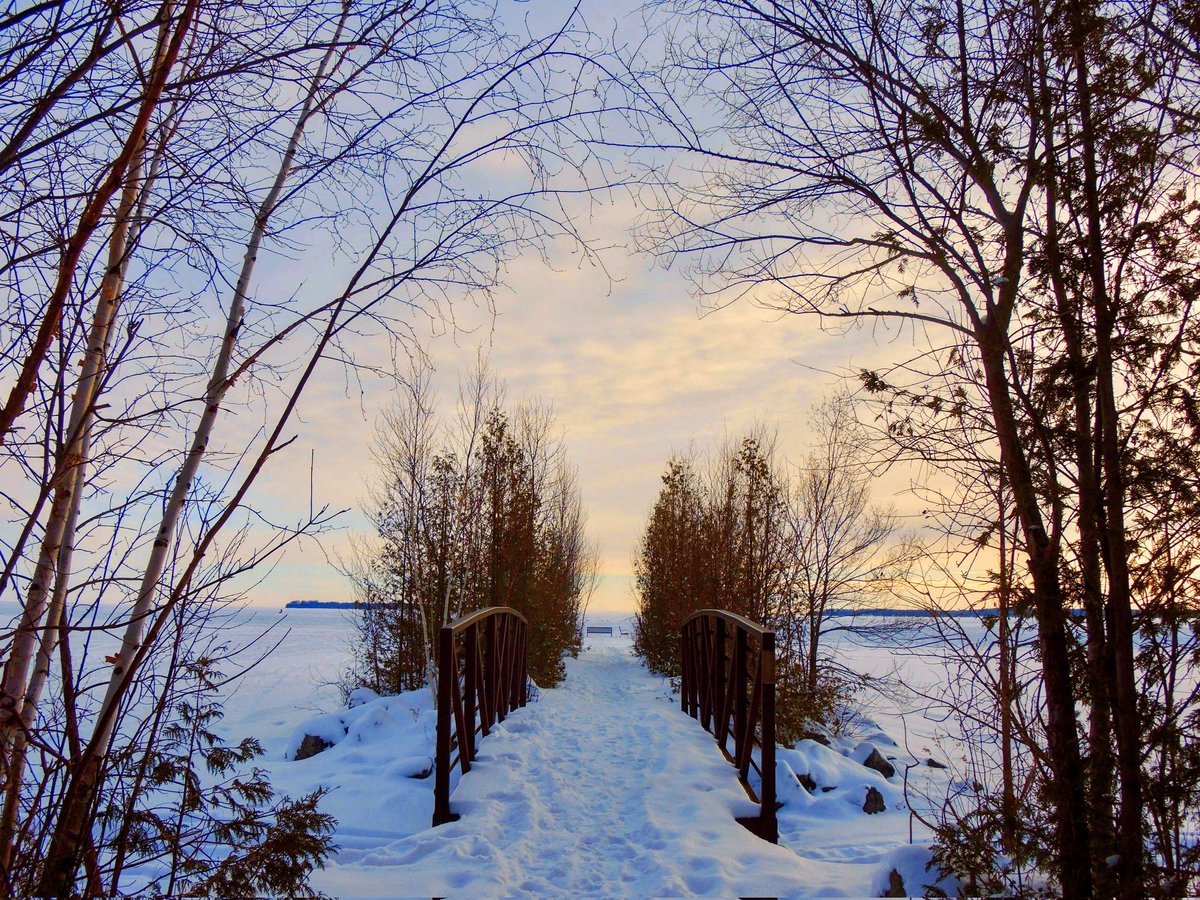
(311, 745)
(874, 802)
(879, 764)
(815, 731)
(420, 766)
(912, 866)
(315, 736)
(895, 886)
(360, 696)
(395, 726)
(815, 764)
(792, 789)
(867, 754)
(881, 738)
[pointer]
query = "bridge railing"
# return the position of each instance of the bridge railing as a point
(728, 684)
(483, 674)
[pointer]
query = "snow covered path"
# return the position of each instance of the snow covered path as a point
(602, 788)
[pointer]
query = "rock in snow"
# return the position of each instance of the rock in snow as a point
(815, 764)
(793, 790)
(910, 867)
(359, 696)
(815, 731)
(879, 764)
(867, 754)
(874, 802)
(895, 886)
(311, 745)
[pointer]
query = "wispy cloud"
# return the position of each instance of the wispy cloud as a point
(633, 371)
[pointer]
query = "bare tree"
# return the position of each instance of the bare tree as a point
(967, 175)
(787, 553)
(847, 557)
(347, 128)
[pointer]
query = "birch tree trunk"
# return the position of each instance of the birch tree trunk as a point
(74, 819)
(21, 690)
(73, 465)
(166, 54)
(69, 469)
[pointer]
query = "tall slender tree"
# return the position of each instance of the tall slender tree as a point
(482, 510)
(1012, 182)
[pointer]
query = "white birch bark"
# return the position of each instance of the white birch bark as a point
(73, 457)
(71, 464)
(37, 635)
(218, 385)
(94, 365)
(59, 871)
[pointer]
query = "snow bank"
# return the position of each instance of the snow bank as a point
(376, 769)
(839, 782)
(402, 721)
(610, 745)
(912, 863)
(823, 784)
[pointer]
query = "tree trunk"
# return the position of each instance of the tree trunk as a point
(44, 605)
(68, 838)
(1130, 870)
(1008, 798)
(1067, 782)
(1101, 762)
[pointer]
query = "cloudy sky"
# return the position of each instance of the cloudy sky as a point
(633, 370)
(632, 365)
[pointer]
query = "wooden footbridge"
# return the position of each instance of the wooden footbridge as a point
(728, 685)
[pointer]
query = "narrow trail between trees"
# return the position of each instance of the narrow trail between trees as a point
(600, 788)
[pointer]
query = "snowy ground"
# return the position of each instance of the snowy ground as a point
(601, 788)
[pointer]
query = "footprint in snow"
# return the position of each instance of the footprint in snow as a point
(701, 884)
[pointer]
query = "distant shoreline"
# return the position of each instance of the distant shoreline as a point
(866, 613)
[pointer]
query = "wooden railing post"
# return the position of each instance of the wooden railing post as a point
(504, 668)
(713, 689)
(705, 681)
(489, 673)
(720, 685)
(694, 693)
(524, 668)
(685, 681)
(740, 640)
(516, 681)
(441, 787)
(471, 685)
(770, 821)
(501, 645)
(491, 684)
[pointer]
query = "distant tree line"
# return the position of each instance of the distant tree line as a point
(787, 549)
(475, 510)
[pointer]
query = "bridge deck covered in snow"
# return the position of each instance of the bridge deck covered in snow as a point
(601, 788)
